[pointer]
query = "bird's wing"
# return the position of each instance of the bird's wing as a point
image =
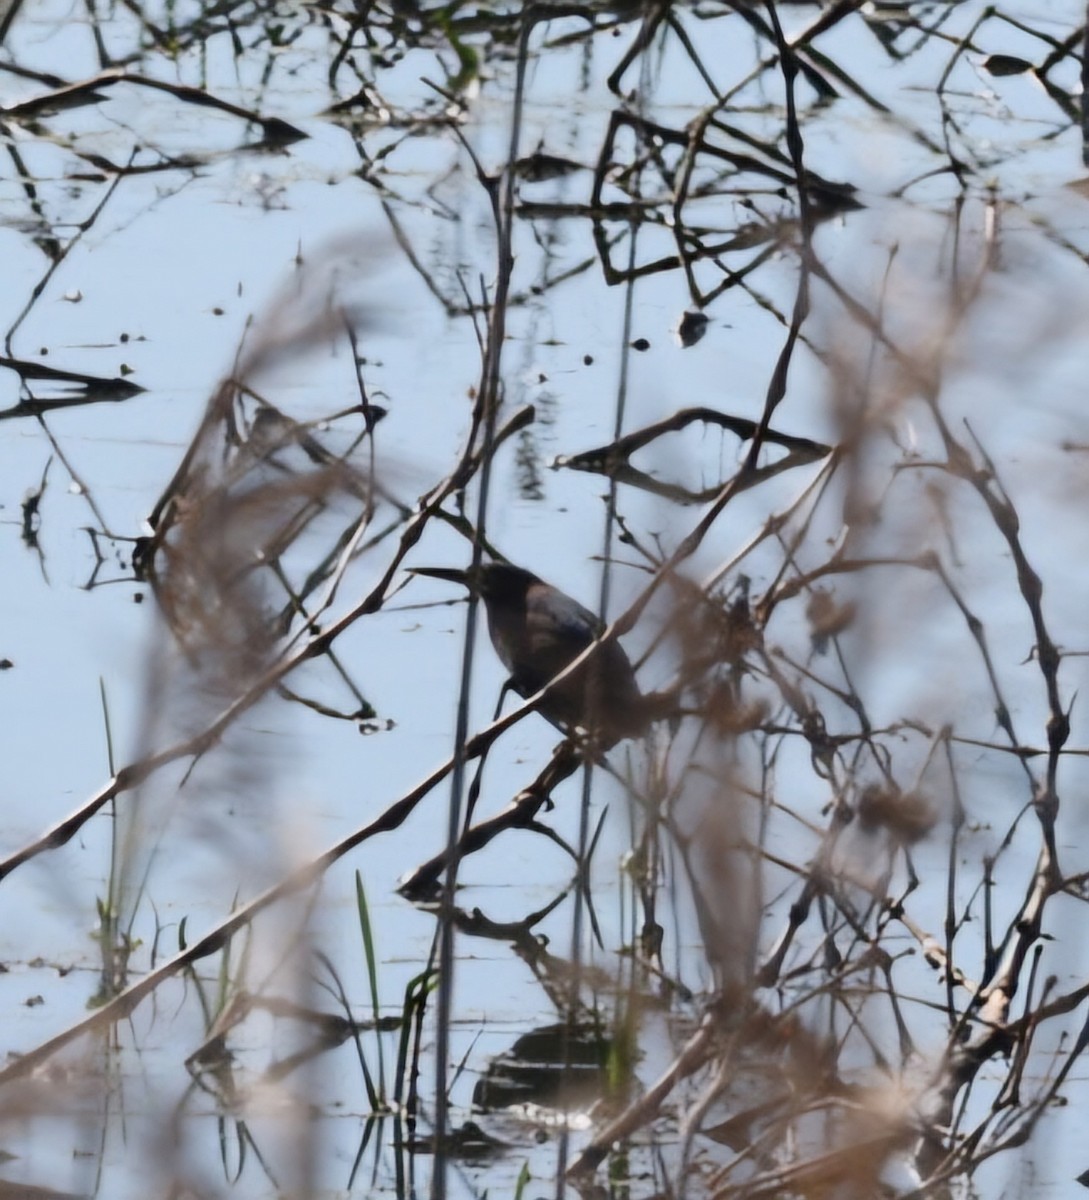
(552, 612)
(558, 629)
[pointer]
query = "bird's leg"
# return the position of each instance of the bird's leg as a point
(512, 685)
(588, 745)
(508, 686)
(473, 794)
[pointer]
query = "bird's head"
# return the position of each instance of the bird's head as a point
(496, 583)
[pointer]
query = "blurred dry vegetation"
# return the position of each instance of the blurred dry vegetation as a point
(848, 963)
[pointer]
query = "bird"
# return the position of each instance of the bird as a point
(537, 631)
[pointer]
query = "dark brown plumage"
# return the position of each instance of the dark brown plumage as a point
(537, 631)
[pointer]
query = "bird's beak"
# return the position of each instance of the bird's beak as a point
(450, 574)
